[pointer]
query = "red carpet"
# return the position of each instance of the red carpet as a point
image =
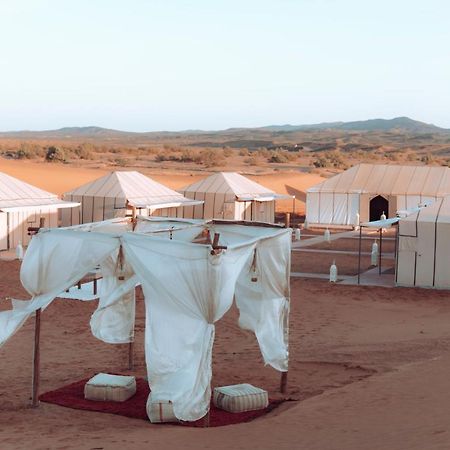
(72, 396)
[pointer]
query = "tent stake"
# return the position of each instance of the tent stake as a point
(36, 360)
(283, 382)
(288, 220)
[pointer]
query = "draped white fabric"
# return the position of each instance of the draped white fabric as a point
(113, 321)
(186, 290)
(263, 291)
(55, 260)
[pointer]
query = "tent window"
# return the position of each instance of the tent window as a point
(377, 206)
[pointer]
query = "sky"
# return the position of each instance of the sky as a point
(149, 65)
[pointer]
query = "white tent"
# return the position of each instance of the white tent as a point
(23, 205)
(114, 195)
(370, 189)
(229, 195)
(424, 247)
(188, 285)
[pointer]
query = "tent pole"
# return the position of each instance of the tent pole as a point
(379, 255)
(283, 382)
(36, 359)
(359, 254)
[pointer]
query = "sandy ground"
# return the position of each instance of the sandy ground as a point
(369, 370)
(60, 178)
(369, 365)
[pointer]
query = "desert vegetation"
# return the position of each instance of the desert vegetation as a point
(324, 151)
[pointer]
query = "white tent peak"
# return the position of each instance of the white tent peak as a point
(16, 194)
(132, 186)
(229, 183)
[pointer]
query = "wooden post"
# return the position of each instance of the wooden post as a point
(206, 420)
(130, 355)
(359, 255)
(283, 382)
(37, 338)
(36, 360)
(288, 220)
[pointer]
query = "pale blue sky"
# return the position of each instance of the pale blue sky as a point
(146, 65)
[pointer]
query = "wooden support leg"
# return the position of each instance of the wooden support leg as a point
(130, 355)
(206, 421)
(283, 382)
(36, 360)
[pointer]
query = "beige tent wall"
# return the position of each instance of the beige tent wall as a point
(424, 247)
(263, 211)
(329, 208)
(14, 225)
(442, 258)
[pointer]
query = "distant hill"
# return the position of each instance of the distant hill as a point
(398, 123)
(403, 124)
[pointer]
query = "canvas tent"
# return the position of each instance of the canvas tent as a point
(23, 205)
(229, 195)
(370, 189)
(423, 258)
(114, 195)
(188, 285)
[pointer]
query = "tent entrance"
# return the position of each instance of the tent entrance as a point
(377, 206)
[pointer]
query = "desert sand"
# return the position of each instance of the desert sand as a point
(60, 178)
(368, 367)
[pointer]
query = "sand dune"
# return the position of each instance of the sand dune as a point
(59, 178)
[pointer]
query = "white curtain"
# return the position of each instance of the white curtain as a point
(55, 260)
(263, 289)
(186, 290)
(113, 321)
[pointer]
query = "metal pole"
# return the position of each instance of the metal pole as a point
(36, 360)
(359, 254)
(379, 255)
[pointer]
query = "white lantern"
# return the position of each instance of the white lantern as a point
(19, 251)
(297, 234)
(383, 216)
(333, 273)
(327, 235)
(374, 254)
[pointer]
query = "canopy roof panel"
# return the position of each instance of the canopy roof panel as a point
(134, 187)
(388, 179)
(15, 194)
(233, 183)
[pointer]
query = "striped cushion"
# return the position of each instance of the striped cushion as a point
(160, 411)
(106, 387)
(240, 398)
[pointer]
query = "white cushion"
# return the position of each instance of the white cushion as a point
(106, 387)
(159, 411)
(240, 398)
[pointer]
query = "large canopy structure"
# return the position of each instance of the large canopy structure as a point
(229, 195)
(423, 258)
(188, 281)
(23, 205)
(368, 190)
(115, 194)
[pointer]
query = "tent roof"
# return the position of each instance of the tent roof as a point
(437, 212)
(389, 180)
(16, 195)
(134, 187)
(233, 183)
